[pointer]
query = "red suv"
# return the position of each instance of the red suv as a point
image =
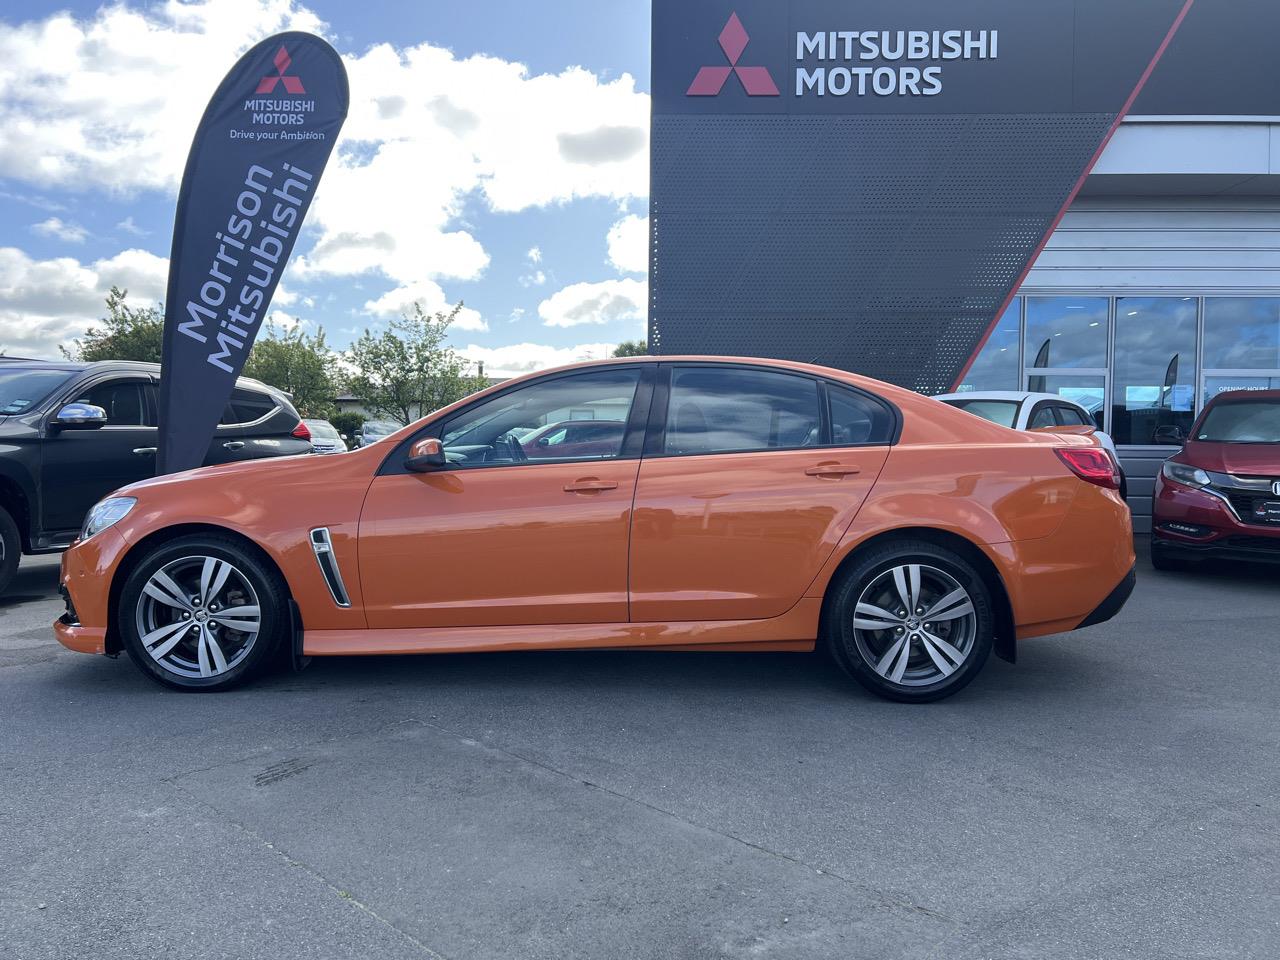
(1219, 497)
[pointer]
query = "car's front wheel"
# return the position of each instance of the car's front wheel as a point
(202, 613)
(910, 621)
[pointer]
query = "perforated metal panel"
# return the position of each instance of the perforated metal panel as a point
(880, 234)
(882, 245)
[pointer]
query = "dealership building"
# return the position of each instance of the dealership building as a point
(1068, 197)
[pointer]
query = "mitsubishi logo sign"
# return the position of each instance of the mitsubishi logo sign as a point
(291, 84)
(756, 81)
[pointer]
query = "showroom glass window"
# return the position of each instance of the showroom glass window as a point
(1241, 344)
(1066, 332)
(1064, 335)
(507, 429)
(1154, 372)
(996, 367)
(731, 409)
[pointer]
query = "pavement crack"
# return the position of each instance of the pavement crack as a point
(887, 899)
(293, 861)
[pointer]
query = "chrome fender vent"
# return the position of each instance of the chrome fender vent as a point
(322, 545)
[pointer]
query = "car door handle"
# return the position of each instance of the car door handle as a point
(144, 451)
(832, 470)
(233, 445)
(590, 484)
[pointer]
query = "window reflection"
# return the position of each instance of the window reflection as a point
(1066, 332)
(1242, 333)
(1154, 375)
(997, 365)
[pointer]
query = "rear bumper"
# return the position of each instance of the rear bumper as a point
(1113, 602)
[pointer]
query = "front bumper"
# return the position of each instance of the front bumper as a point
(85, 584)
(1191, 522)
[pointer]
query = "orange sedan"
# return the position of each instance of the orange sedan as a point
(747, 505)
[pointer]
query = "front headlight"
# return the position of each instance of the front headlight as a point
(1184, 474)
(105, 513)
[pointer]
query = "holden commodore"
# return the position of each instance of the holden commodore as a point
(747, 505)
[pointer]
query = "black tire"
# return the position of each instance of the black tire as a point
(857, 649)
(10, 549)
(246, 654)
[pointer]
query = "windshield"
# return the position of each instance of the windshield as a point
(376, 428)
(1242, 421)
(1003, 412)
(321, 428)
(20, 390)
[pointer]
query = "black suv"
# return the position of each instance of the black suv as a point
(59, 454)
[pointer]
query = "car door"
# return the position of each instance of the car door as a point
(496, 538)
(749, 479)
(79, 467)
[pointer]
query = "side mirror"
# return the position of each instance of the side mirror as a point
(1171, 434)
(425, 456)
(344, 436)
(80, 416)
(544, 441)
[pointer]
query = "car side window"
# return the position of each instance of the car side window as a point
(246, 406)
(1071, 417)
(510, 428)
(857, 418)
(123, 400)
(1042, 416)
(729, 409)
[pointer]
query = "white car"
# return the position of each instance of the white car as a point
(324, 437)
(1021, 410)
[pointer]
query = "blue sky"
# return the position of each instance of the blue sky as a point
(544, 244)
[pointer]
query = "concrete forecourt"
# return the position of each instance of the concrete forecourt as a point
(1114, 794)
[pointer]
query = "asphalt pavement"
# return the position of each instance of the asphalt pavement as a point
(1114, 795)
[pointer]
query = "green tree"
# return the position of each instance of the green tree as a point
(631, 348)
(347, 422)
(125, 333)
(407, 371)
(301, 365)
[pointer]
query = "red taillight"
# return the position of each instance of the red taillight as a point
(1091, 464)
(301, 431)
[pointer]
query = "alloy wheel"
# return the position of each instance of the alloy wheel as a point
(915, 624)
(198, 617)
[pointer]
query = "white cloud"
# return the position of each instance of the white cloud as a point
(519, 358)
(107, 102)
(44, 303)
(113, 100)
(61, 229)
(128, 226)
(628, 242)
(535, 279)
(604, 302)
(432, 300)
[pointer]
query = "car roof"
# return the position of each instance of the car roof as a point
(1013, 395)
(107, 366)
(1231, 396)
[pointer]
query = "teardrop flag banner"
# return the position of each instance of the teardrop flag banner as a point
(253, 170)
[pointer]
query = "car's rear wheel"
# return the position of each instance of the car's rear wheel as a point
(10, 548)
(202, 613)
(910, 621)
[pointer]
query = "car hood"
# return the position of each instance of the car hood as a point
(1242, 459)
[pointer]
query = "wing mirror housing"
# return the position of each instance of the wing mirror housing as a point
(80, 416)
(1170, 433)
(425, 455)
